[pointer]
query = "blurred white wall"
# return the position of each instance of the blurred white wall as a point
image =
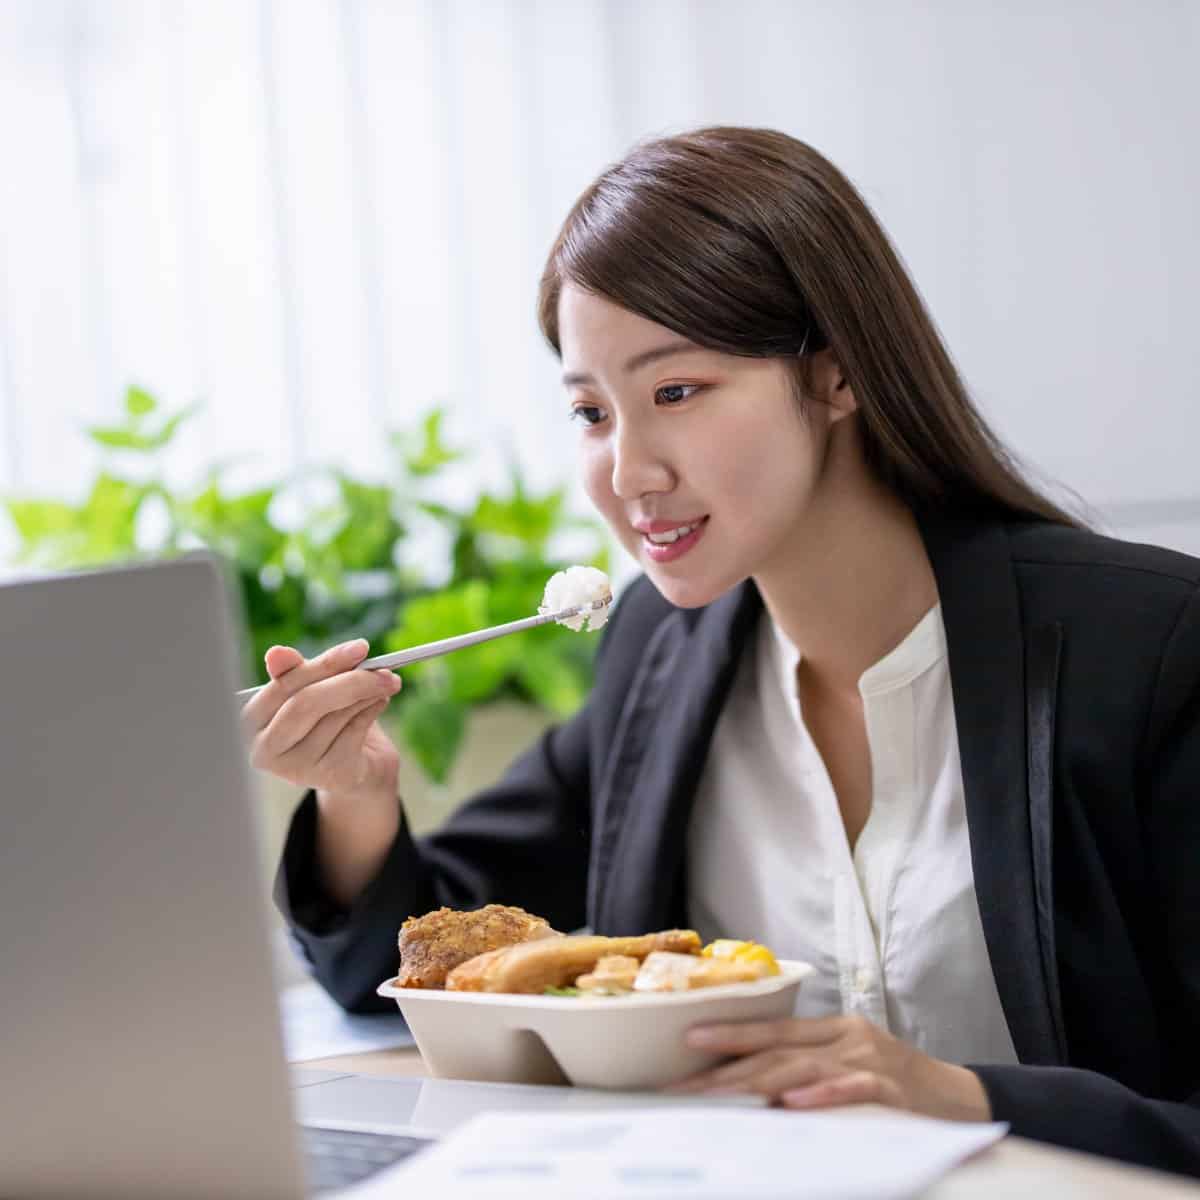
(324, 217)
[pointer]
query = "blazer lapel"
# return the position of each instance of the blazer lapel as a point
(659, 750)
(978, 593)
(1041, 675)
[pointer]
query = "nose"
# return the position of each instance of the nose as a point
(638, 467)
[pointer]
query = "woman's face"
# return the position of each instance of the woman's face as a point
(700, 461)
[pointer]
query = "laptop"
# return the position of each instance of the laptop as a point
(140, 1046)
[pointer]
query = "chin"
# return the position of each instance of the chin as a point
(688, 593)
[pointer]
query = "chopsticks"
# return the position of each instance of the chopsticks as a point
(403, 658)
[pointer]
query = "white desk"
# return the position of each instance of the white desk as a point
(1012, 1169)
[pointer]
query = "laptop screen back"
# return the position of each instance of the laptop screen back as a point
(139, 1044)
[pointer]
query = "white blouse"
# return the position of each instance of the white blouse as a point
(894, 928)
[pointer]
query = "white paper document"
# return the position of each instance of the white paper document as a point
(659, 1153)
(316, 1026)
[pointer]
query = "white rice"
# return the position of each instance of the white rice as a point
(576, 586)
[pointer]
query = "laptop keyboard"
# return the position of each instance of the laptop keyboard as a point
(336, 1158)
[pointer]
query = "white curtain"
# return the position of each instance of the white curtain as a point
(323, 217)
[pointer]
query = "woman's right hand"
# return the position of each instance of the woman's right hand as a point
(315, 724)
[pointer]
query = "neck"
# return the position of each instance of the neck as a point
(852, 582)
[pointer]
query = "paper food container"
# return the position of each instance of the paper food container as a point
(627, 1042)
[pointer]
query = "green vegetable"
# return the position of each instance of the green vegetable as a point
(567, 991)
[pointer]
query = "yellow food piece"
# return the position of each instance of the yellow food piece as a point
(742, 952)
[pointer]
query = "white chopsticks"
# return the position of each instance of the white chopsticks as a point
(403, 658)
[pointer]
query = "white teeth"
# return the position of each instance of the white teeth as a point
(671, 535)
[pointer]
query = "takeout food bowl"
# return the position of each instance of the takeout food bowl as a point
(628, 1042)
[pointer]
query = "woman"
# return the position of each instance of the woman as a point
(876, 701)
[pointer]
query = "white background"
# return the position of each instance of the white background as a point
(323, 217)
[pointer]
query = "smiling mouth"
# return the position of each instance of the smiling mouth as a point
(670, 536)
(668, 545)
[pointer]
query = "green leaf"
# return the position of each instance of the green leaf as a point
(139, 402)
(108, 518)
(369, 530)
(429, 454)
(132, 436)
(39, 520)
(236, 526)
(120, 438)
(552, 679)
(459, 609)
(100, 530)
(440, 511)
(518, 525)
(530, 521)
(438, 615)
(477, 674)
(432, 727)
(517, 588)
(170, 426)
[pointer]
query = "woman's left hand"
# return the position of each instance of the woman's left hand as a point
(830, 1061)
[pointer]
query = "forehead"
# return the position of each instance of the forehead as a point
(591, 328)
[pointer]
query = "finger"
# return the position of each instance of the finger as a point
(746, 1037)
(261, 708)
(346, 750)
(300, 715)
(295, 762)
(310, 750)
(256, 713)
(735, 1073)
(280, 660)
(771, 1081)
(855, 1087)
(791, 1076)
(330, 662)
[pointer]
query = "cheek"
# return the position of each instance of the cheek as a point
(741, 467)
(595, 464)
(764, 473)
(595, 467)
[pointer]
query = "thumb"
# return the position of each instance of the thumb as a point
(281, 659)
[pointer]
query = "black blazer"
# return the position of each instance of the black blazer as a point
(1074, 664)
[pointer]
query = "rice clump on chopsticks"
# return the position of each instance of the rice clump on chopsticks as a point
(574, 587)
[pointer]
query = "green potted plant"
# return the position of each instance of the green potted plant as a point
(340, 571)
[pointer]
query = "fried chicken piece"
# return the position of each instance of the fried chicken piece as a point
(433, 945)
(533, 967)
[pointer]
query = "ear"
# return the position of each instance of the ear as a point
(831, 387)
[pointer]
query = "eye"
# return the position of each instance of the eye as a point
(587, 414)
(675, 393)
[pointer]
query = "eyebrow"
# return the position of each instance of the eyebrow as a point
(642, 359)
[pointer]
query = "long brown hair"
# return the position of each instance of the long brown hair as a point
(750, 242)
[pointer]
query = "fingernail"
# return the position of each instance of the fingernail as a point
(702, 1037)
(356, 648)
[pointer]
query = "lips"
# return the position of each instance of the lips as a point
(667, 540)
(666, 524)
